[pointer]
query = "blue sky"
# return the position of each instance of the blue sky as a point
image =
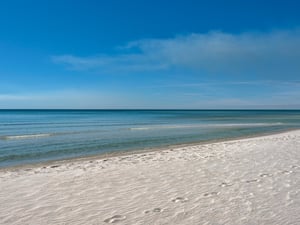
(150, 54)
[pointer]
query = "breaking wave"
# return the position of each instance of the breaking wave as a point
(25, 136)
(205, 126)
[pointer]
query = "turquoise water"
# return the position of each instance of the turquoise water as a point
(28, 136)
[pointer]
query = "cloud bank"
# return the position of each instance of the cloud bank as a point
(274, 53)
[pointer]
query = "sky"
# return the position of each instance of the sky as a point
(158, 54)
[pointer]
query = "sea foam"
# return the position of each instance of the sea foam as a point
(26, 136)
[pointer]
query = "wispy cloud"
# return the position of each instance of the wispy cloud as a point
(68, 99)
(58, 99)
(121, 62)
(272, 83)
(264, 53)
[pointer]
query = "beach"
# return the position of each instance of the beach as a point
(246, 181)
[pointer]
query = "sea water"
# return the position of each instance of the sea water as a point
(30, 136)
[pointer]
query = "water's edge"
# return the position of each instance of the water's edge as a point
(131, 152)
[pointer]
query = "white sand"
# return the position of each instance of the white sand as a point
(250, 181)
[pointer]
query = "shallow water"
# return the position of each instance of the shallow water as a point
(28, 136)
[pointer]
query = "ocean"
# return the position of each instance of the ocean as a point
(31, 136)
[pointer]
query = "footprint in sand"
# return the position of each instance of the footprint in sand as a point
(265, 175)
(225, 184)
(179, 199)
(155, 210)
(54, 166)
(214, 193)
(252, 181)
(115, 219)
(286, 171)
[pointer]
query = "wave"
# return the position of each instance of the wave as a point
(25, 136)
(205, 126)
(140, 128)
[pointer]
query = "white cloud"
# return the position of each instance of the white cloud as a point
(57, 99)
(70, 99)
(270, 53)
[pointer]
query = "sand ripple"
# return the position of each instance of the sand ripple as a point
(250, 181)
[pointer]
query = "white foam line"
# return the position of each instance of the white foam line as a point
(25, 136)
(205, 125)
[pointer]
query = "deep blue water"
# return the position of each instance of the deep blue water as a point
(28, 136)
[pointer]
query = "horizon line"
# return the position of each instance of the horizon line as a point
(145, 109)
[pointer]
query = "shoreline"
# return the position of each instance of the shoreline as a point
(109, 155)
(251, 180)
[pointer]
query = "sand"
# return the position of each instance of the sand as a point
(248, 181)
